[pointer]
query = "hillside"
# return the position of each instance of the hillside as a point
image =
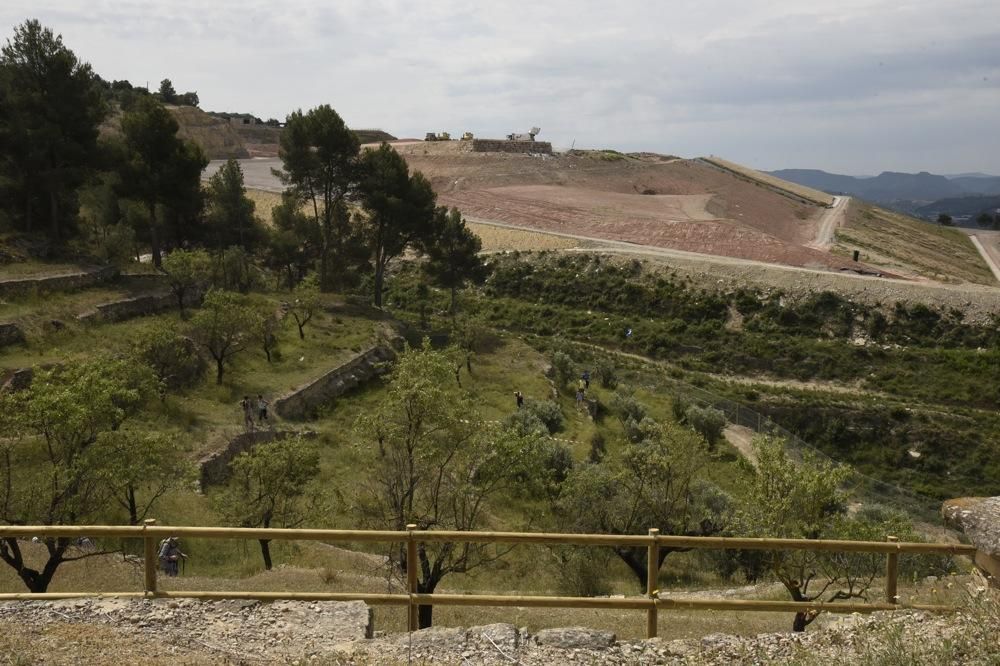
(660, 202)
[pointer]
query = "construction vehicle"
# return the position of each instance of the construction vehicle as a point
(467, 136)
(530, 136)
(440, 136)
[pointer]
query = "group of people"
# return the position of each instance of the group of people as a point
(254, 411)
(582, 386)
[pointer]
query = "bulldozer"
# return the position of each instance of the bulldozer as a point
(467, 136)
(440, 136)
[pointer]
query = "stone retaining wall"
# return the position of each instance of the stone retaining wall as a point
(65, 282)
(136, 306)
(10, 334)
(303, 402)
(504, 146)
(214, 468)
(979, 519)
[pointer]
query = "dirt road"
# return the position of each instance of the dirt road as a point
(988, 245)
(832, 218)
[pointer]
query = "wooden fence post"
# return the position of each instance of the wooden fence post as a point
(149, 558)
(892, 574)
(411, 577)
(652, 579)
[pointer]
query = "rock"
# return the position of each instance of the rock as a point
(576, 638)
(979, 518)
(439, 638)
(503, 636)
(10, 334)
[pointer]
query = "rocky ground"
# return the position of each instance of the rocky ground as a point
(99, 631)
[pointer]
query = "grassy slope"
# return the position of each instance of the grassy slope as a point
(905, 245)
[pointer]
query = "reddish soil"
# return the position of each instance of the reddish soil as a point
(679, 204)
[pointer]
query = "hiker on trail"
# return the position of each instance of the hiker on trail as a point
(582, 386)
(262, 408)
(586, 379)
(579, 398)
(247, 405)
(170, 556)
(519, 397)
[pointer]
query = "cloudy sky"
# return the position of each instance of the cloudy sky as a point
(853, 86)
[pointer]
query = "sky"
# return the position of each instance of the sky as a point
(849, 86)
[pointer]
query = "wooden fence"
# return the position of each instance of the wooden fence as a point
(151, 534)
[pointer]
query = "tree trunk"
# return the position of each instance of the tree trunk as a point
(219, 369)
(36, 581)
(802, 619)
(265, 552)
(425, 613)
(454, 300)
(133, 510)
(379, 279)
(635, 559)
(154, 235)
(54, 213)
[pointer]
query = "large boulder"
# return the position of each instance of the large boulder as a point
(979, 519)
(576, 638)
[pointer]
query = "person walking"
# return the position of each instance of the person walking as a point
(519, 397)
(247, 405)
(579, 398)
(586, 380)
(170, 556)
(262, 406)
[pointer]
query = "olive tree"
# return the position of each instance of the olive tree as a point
(654, 482)
(435, 463)
(224, 327)
(52, 469)
(273, 485)
(785, 498)
(188, 272)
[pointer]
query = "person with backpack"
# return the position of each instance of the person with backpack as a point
(170, 556)
(262, 406)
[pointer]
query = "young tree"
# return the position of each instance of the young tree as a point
(173, 358)
(436, 464)
(984, 220)
(48, 475)
(139, 468)
(167, 93)
(295, 242)
(273, 485)
(652, 483)
(51, 108)
(230, 213)
(802, 500)
(944, 219)
(453, 253)
(707, 422)
(188, 273)
(223, 326)
(399, 209)
(306, 301)
(161, 168)
(319, 158)
(266, 326)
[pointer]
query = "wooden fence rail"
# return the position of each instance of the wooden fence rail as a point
(151, 534)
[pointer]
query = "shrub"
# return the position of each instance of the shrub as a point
(174, 358)
(607, 373)
(564, 368)
(524, 422)
(557, 460)
(547, 412)
(707, 422)
(678, 407)
(598, 447)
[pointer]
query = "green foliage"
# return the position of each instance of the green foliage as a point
(274, 484)
(188, 273)
(652, 483)
(50, 110)
(223, 327)
(319, 167)
(138, 467)
(453, 253)
(50, 472)
(173, 358)
(546, 411)
(626, 407)
(167, 93)
(435, 463)
(399, 213)
(229, 212)
(161, 169)
(564, 368)
(707, 422)
(598, 447)
(605, 371)
(306, 300)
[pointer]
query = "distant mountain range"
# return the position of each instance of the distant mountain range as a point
(890, 187)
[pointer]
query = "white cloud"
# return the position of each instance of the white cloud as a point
(856, 86)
